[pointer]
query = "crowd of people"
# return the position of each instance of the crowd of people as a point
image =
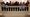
(23, 5)
(15, 4)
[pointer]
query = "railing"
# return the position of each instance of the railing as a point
(14, 8)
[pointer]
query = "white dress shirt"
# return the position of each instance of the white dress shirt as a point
(6, 6)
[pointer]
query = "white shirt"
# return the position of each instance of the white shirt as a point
(20, 7)
(6, 6)
(23, 7)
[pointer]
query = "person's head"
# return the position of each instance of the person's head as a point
(10, 1)
(16, 2)
(23, 2)
(20, 2)
(27, 1)
(6, 2)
